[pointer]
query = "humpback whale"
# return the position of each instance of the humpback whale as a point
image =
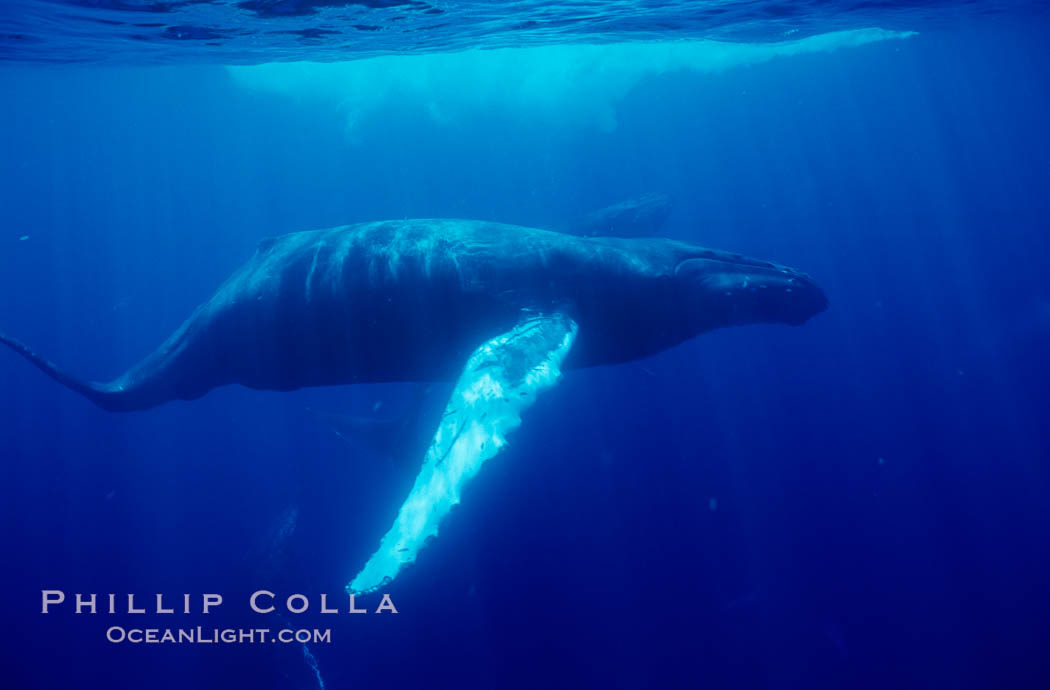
(409, 300)
(499, 309)
(640, 216)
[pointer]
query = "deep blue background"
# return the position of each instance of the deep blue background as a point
(910, 178)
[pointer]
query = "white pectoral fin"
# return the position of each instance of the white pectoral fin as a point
(500, 381)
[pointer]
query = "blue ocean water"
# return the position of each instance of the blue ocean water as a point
(857, 502)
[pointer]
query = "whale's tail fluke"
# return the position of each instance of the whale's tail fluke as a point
(108, 396)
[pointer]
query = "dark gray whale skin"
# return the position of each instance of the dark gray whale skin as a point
(409, 300)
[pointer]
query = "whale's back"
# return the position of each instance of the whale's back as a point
(404, 300)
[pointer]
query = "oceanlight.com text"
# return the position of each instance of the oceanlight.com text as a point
(201, 635)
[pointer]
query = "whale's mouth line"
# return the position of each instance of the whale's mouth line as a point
(724, 289)
(738, 262)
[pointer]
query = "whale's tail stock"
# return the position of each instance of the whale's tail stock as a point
(108, 396)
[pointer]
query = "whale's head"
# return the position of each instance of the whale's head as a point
(720, 289)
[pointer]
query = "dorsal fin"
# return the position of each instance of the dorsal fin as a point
(265, 243)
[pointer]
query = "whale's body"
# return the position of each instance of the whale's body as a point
(640, 216)
(409, 300)
(498, 309)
